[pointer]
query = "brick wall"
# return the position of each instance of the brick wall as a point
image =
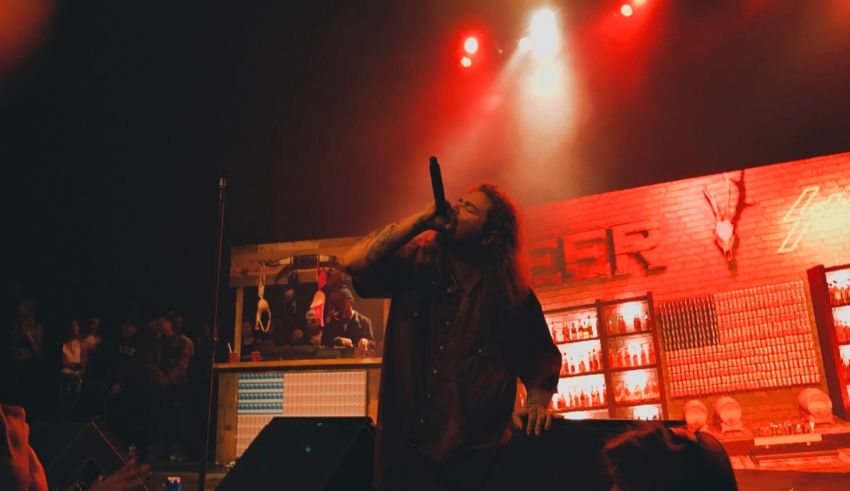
(659, 239)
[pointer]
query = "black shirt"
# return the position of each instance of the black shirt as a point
(356, 328)
(451, 359)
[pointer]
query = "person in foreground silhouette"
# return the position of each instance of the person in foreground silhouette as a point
(668, 459)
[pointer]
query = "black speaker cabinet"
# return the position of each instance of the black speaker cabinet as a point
(294, 454)
(76, 452)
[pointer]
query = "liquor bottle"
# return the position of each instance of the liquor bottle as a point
(572, 364)
(594, 397)
(636, 322)
(582, 399)
(623, 358)
(581, 365)
(651, 354)
(563, 364)
(634, 360)
(621, 323)
(591, 323)
(643, 356)
(573, 331)
(627, 394)
(612, 359)
(562, 401)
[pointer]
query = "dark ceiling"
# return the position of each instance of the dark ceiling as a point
(117, 123)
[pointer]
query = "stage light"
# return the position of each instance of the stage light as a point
(545, 38)
(626, 10)
(524, 43)
(466, 62)
(470, 45)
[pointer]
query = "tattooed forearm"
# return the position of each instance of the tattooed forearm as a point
(375, 233)
(380, 246)
(383, 243)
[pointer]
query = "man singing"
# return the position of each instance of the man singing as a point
(463, 325)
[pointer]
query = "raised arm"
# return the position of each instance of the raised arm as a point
(386, 241)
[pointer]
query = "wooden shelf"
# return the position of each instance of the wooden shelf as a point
(247, 366)
(574, 409)
(584, 374)
(629, 369)
(574, 341)
(638, 403)
(623, 335)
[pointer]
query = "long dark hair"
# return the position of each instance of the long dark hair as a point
(505, 263)
(661, 459)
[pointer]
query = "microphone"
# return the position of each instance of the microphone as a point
(222, 186)
(437, 186)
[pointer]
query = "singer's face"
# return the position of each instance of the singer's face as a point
(472, 212)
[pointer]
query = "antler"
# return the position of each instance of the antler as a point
(742, 198)
(711, 201)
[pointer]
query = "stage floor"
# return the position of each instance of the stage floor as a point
(748, 479)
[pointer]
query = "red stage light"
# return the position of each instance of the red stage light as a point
(626, 10)
(470, 45)
(466, 62)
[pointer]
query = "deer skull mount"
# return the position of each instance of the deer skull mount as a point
(726, 217)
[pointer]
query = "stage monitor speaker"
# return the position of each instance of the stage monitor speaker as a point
(76, 452)
(327, 454)
(567, 457)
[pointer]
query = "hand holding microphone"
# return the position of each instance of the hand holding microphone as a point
(440, 216)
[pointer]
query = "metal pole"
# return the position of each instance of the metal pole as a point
(202, 473)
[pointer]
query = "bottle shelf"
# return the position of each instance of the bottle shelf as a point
(612, 325)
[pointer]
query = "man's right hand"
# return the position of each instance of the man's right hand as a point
(297, 334)
(386, 241)
(430, 220)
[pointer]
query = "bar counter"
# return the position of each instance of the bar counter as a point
(241, 414)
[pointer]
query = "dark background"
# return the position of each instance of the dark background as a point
(117, 117)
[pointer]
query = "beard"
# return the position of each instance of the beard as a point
(467, 249)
